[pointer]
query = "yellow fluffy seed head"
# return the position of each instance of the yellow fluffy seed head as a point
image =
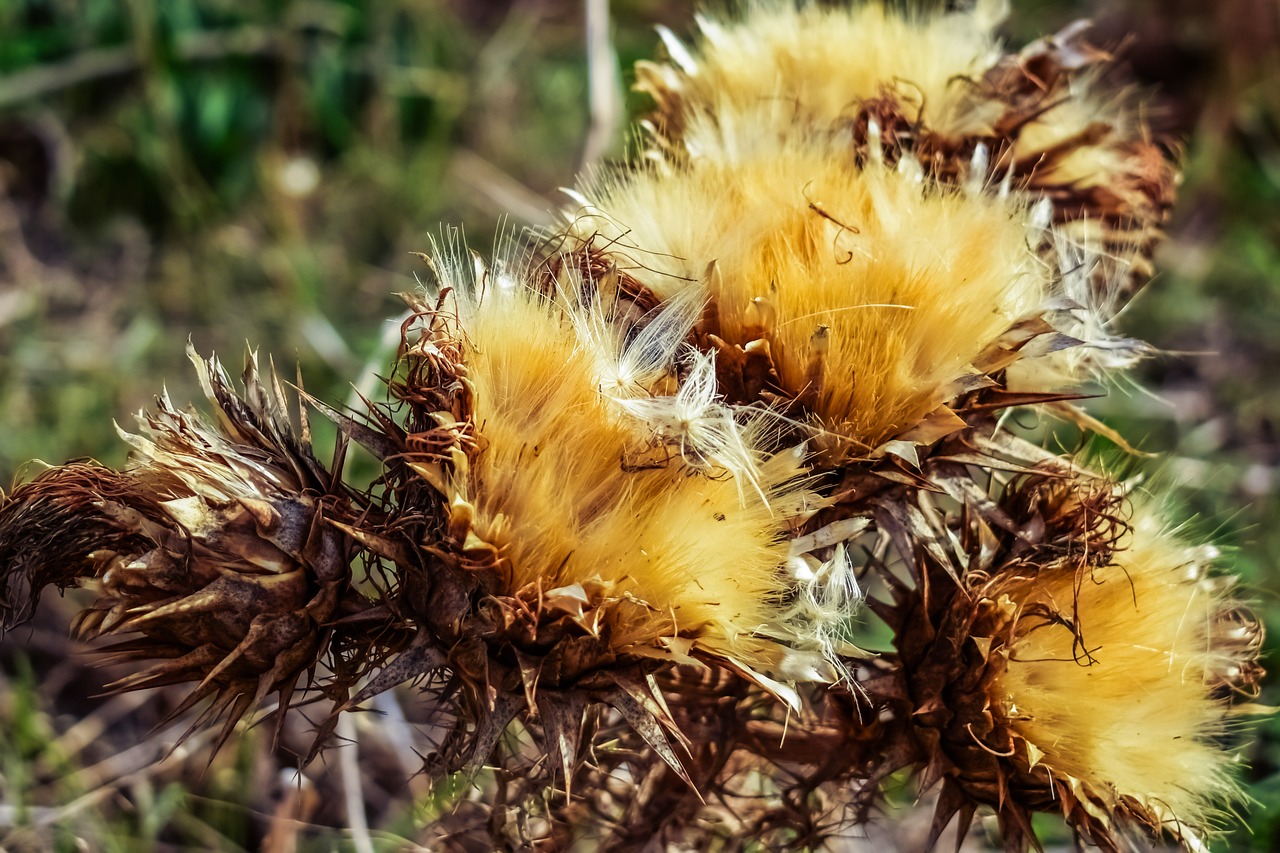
(571, 488)
(781, 70)
(1130, 713)
(872, 83)
(815, 63)
(873, 290)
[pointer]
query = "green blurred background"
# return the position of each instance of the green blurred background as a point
(261, 172)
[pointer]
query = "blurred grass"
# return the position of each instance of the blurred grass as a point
(261, 173)
(254, 172)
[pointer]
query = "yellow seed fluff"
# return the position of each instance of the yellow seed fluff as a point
(816, 63)
(936, 95)
(875, 291)
(1129, 712)
(571, 489)
(779, 69)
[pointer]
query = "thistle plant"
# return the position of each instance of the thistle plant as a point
(645, 477)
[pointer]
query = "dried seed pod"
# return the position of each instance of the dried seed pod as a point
(212, 545)
(936, 96)
(576, 527)
(55, 529)
(785, 69)
(865, 301)
(1081, 661)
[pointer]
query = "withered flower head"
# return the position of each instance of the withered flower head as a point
(936, 97)
(857, 237)
(582, 524)
(1081, 661)
(782, 69)
(884, 213)
(211, 546)
(861, 300)
(935, 91)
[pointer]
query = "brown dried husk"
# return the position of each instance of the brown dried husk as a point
(758, 777)
(1118, 209)
(214, 546)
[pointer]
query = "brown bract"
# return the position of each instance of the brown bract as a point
(213, 546)
(54, 524)
(1109, 183)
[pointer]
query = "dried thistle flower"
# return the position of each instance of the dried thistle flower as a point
(212, 545)
(832, 291)
(845, 213)
(575, 540)
(54, 524)
(596, 520)
(936, 93)
(1073, 659)
(783, 69)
